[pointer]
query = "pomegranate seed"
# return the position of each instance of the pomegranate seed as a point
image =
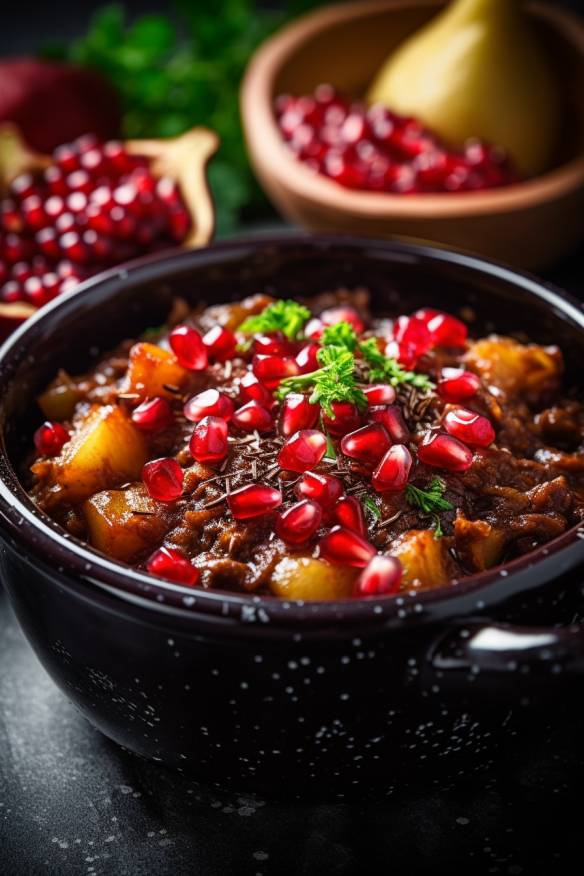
(15, 248)
(10, 218)
(33, 212)
(251, 417)
(348, 512)
(381, 577)
(11, 292)
(303, 450)
(457, 385)
(209, 440)
(251, 389)
(346, 547)
(346, 419)
(272, 369)
(447, 331)
(169, 563)
(35, 292)
(307, 359)
(220, 343)
(79, 182)
(413, 339)
(188, 347)
(393, 471)
(66, 158)
(391, 418)
(163, 478)
(379, 394)
(23, 186)
(321, 488)
(209, 403)
(299, 523)
(273, 344)
(254, 500)
(48, 243)
(469, 427)
(50, 438)
(444, 451)
(73, 247)
(297, 413)
(152, 415)
(366, 445)
(55, 180)
(333, 315)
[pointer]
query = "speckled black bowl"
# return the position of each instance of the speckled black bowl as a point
(290, 698)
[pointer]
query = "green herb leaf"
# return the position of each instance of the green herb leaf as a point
(369, 504)
(430, 500)
(342, 334)
(331, 453)
(334, 382)
(153, 332)
(384, 369)
(287, 317)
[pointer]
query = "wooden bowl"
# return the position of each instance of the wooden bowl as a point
(529, 224)
(183, 158)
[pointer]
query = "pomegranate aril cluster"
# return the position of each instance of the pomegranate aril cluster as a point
(95, 206)
(373, 149)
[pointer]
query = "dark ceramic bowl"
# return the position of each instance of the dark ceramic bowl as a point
(285, 697)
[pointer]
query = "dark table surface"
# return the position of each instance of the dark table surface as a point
(72, 802)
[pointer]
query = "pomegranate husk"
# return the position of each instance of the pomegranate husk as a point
(184, 158)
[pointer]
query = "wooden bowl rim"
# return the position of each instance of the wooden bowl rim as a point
(277, 160)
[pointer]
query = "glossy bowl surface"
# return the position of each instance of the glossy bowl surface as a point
(169, 672)
(529, 225)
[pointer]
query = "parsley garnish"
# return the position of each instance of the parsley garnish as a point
(334, 382)
(384, 369)
(341, 334)
(430, 501)
(369, 504)
(287, 317)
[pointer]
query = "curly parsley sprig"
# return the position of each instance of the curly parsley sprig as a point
(384, 369)
(287, 317)
(334, 382)
(381, 368)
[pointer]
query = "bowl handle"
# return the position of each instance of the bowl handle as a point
(495, 650)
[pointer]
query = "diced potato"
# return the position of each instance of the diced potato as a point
(309, 579)
(514, 367)
(150, 369)
(423, 558)
(105, 450)
(232, 315)
(124, 523)
(58, 401)
(479, 544)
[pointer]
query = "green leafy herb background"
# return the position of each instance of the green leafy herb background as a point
(179, 70)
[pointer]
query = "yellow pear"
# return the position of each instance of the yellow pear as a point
(477, 70)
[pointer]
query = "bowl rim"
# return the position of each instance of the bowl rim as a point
(263, 135)
(74, 561)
